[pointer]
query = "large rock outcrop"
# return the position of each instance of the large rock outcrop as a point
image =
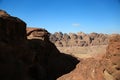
(3, 13)
(104, 67)
(29, 59)
(55, 63)
(112, 64)
(15, 56)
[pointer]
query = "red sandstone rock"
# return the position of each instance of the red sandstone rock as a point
(30, 59)
(12, 29)
(15, 56)
(55, 63)
(105, 68)
(79, 39)
(113, 57)
(3, 13)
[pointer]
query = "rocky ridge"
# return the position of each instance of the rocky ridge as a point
(80, 39)
(23, 58)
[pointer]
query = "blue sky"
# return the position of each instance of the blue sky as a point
(101, 16)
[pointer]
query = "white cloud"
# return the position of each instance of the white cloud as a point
(76, 24)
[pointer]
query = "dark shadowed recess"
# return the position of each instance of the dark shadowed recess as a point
(53, 63)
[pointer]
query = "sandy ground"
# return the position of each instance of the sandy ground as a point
(84, 52)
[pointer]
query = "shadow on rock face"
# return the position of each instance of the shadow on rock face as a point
(35, 58)
(60, 65)
(54, 63)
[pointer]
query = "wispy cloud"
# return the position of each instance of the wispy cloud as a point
(76, 24)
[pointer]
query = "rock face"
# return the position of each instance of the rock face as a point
(88, 69)
(55, 63)
(105, 67)
(113, 58)
(3, 13)
(32, 58)
(79, 39)
(34, 33)
(9, 31)
(14, 52)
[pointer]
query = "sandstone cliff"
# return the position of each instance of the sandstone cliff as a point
(32, 58)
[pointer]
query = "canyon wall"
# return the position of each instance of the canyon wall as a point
(23, 58)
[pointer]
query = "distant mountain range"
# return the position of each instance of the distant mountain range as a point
(73, 39)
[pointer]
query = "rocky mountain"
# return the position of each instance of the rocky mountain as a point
(26, 58)
(79, 39)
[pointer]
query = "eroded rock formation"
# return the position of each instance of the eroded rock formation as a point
(32, 58)
(15, 56)
(79, 39)
(112, 65)
(104, 67)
